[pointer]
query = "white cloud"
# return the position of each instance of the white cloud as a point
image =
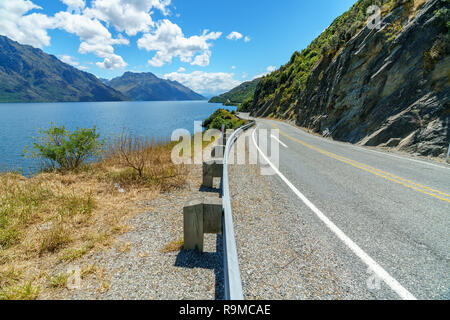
(181, 69)
(162, 5)
(204, 82)
(95, 38)
(237, 36)
(233, 67)
(69, 60)
(202, 60)
(74, 5)
(169, 42)
(131, 16)
(234, 36)
(269, 70)
(27, 29)
(32, 29)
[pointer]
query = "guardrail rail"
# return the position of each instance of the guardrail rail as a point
(233, 283)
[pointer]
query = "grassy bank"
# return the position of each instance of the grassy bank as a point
(53, 218)
(225, 118)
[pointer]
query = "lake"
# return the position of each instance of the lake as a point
(19, 122)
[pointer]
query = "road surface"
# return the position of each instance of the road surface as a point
(383, 213)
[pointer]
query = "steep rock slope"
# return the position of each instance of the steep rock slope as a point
(28, 74)
(148, 87)
(376, 87)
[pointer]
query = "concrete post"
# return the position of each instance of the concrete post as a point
(193, 225)
(211, 171)
(203, 215)
(212, 215)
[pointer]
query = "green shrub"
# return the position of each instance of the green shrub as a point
(65, 150)
(246, 105)
(222, 117)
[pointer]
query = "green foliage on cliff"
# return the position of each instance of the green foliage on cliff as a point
(237, 95)
(223, 117)
(246, 105)
(290, 80)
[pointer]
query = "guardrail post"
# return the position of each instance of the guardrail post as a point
(203, 215)
(193, 225)
(211, 171)
(212, 215)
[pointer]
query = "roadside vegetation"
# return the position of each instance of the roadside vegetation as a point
(223, 117)
(79, 202)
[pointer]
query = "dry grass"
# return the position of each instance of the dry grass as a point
(174, 246)
(54, 218)
(142, 162)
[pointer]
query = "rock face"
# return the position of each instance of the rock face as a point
(383, 88)
(148, 87)
(28, 74)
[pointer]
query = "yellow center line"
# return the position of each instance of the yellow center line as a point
(388, 176)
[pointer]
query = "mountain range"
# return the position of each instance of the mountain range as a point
(28, 74)
(237, 95)
(148, 87)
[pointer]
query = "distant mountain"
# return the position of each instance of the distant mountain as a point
(28, 74)
(148, 87)
(237, 95)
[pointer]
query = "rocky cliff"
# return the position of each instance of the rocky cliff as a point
(375, 87)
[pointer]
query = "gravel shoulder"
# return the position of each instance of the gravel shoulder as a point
(135, 266)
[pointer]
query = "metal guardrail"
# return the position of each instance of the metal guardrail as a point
(233, 283)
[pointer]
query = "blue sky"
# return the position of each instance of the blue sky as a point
(208, 45)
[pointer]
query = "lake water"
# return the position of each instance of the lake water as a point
(19, 122)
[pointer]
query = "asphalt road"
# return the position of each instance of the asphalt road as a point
(384, 214)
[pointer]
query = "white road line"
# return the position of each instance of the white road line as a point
(279, 141)
(355, 147)
(372, 264)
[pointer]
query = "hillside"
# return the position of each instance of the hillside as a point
(148, 87)
(377, 87)
(28, 74)
(223, 117)
(237, 95)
